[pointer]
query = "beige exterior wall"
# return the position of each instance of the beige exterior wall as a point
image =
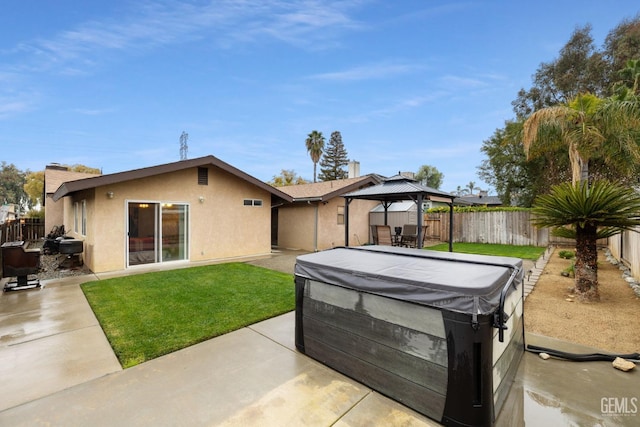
(219, 227)
(297, 224)
(54, 214)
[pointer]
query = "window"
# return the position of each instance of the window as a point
(340, 214)
(84, 218)
(252, 202)
(75, 217)
(203, 176)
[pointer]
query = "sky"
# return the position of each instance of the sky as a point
(113, 84)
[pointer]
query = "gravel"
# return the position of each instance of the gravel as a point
(50, 265)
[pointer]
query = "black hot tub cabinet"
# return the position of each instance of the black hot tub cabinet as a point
(439, 332)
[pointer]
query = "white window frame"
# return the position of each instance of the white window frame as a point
(75, 217)
(253, 202)
(83, 232)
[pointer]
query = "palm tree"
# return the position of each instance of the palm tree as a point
(315, 146)
(589, 126)
(587, 213)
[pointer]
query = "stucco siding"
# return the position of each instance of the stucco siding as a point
(296, 227)
(297, 224)
(220, 226)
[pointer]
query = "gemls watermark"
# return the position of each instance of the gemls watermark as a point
(619, 406)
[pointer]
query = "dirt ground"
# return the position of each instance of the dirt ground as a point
(611, 325)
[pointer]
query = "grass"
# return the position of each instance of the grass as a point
(524, 252)
(148, 315)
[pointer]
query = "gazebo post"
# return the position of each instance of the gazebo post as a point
(346, 221)
(451, 227)
(419, 208)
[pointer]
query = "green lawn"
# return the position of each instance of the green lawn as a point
(524, 252)
(148, 315)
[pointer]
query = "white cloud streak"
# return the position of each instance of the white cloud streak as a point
(309, 24)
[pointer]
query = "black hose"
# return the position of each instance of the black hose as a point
(592, 357)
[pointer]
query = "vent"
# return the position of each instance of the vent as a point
(203, 176)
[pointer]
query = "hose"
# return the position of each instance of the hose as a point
(592, 357)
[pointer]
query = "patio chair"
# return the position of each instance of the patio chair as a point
(410, 235)
(384, 235)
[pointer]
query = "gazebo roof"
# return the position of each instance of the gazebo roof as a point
(398, 188)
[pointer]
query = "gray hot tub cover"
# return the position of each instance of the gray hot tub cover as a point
(458, 282)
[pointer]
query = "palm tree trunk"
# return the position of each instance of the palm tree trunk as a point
(586, 266)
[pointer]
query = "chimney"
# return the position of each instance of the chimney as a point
(56, 166)
(354, 169)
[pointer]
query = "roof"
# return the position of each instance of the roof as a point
(55, 177)
(326, 190)
(482, 200)
(400, 188)
(70, 187)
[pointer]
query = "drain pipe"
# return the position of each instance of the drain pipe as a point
(315, 229)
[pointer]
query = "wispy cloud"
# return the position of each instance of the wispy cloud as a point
(93, 111)
(12, 107)
(463, 82)
(368, 72)
(306, 24)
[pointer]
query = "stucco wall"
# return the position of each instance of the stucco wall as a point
(54, 214)
(297, 224)
(219, 227)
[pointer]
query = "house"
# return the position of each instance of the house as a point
(315, 219)
(54, 175)
(191, 210)
(481, 199)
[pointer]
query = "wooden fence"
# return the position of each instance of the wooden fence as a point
(500, 227)
(626, 247)
(28, 229)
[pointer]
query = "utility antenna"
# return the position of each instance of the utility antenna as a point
(183, 145)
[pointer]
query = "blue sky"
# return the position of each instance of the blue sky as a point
(113, 84)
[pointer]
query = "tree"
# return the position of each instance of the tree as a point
(628, 86)
(472, 186)
(589, 127)
(84, 169)
(287, 177)
(517, 180)
(587, 213)
(34, 187)
(12, 182)
(315, 146)
(580, 68)
(334, 159)
(621, 45)
(430, 176)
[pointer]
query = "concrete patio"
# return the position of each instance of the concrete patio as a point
(58, 369)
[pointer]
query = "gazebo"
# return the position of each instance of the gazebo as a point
(399, 188)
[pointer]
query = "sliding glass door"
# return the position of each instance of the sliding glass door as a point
(157, 232)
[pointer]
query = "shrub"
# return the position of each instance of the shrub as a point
(567, 254)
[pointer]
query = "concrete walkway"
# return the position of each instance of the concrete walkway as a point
(58, 369)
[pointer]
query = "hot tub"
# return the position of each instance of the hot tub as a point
(440, 332)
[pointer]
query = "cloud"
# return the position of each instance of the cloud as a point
(309, 24)
(93, 111)
(369, 72)
(12, 107)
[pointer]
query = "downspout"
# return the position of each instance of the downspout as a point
(315, 229)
